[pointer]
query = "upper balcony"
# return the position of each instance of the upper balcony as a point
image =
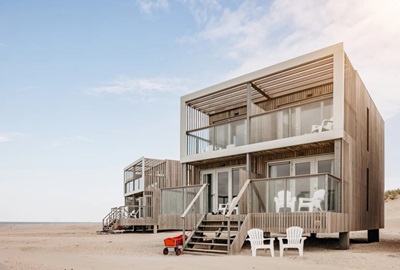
(277, 124)
(136, 175)
(280, 103)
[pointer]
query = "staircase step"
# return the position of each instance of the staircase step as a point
(211, 238)
(200, 250)
(218, 226)
(208, 244)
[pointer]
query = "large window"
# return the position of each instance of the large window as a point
(302, 189)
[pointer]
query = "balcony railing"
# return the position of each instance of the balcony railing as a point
(132, 186)
(273, 125)
(307, 193)
(174, 201)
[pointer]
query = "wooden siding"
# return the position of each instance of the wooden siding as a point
(317, 222)
(308, 95)
(363, 149)
(163, 175)
(285, 82)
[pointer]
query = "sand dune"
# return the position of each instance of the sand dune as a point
(77, 246)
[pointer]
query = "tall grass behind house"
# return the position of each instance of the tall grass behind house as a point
(392, 194)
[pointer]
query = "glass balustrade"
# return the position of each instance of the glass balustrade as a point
(311, 193)
(295, 121)
(176, 200)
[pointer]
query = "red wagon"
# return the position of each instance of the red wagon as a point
(173, 242)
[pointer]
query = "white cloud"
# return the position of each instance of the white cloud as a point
(202, 10)
(4, 138)
(147, 6)
(259, 34)
(146, 88)
(9, 137)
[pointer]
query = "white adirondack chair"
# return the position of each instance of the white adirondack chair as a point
(314, 202)
(293, 239)
(256, 238)
(279, 201)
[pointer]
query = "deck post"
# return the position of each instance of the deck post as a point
(155, 228)
(344, 240)
(373, 235)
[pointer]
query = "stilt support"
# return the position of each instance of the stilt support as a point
(373, 235)
(344, 240)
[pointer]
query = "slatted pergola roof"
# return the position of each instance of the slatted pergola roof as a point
(269, 86)
(137, 166)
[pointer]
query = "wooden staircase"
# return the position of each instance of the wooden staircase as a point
(211, 237)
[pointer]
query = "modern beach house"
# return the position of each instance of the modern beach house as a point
(143, 179)
(299, 143)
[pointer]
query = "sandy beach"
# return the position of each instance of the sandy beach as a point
(78, 246)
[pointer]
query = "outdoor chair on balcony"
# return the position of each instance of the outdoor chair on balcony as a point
(134, 213)
(293, 239)
(256, 238)
(280, 201)
(224, 207)
(327, 124)
(314, 202)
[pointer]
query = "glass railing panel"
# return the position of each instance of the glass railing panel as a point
(176, 200)
(310, 193)
(216, 137)
(334, 195)
(200, 141)
(295, 121)
(270, 126)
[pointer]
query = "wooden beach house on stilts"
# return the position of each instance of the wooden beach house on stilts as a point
(300, 143)
(143, 180)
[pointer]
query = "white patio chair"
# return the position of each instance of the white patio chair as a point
(327, 124)
(314, 202)
(293, 239)
(279, 201)
(256, 238)
(134, 213)
(222, 208)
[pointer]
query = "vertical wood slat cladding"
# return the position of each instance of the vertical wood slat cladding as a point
(166, 174)
(275, 103)
(314, 222)
(289, 80)
(358, 157)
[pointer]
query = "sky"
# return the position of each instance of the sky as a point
(87, 87)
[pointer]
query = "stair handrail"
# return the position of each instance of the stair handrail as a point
(193, 201)
(107, 218)
(188, 208)
(231, 208)
(236, 200)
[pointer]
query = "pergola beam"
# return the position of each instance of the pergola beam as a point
(255, 87)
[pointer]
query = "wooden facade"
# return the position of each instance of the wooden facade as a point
(305, 125)
(276, 116)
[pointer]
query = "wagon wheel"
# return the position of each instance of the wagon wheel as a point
(178, 252)
(165, 251)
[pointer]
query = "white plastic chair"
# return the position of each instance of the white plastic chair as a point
(134, 213)
(314, 202)
(256, 238)
(327, 124)
(293, 239)
(279, 201)
(222, 208)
